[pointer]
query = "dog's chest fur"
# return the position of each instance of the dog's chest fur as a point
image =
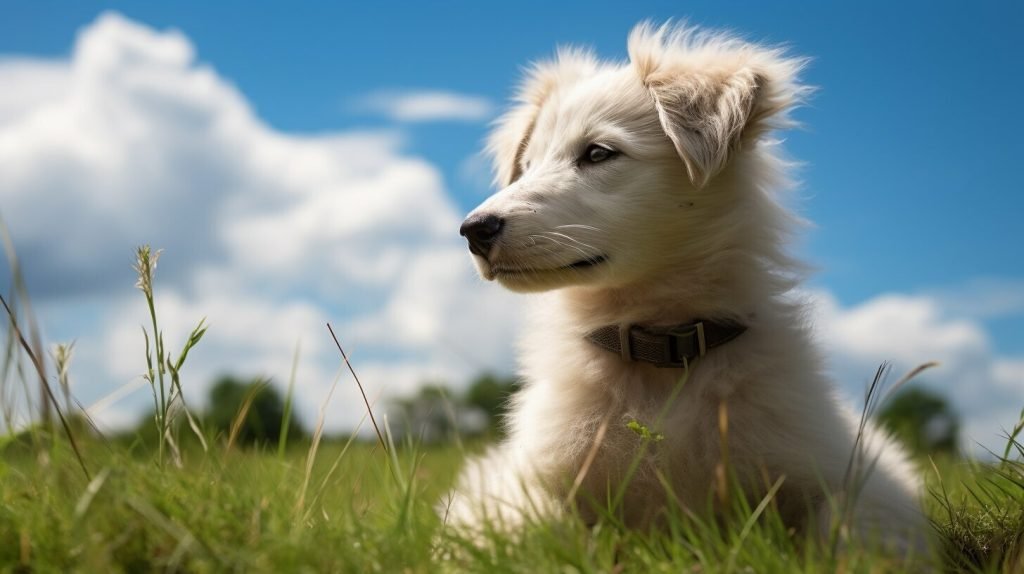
(575, 389)
(765, 387)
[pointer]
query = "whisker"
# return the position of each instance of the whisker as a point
(570, 238)
(588, 246)
(566, 245)
(579, 226)
(548, 250)
(553, 240)
(551, 255)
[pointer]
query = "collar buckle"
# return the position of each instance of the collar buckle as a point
(625, 346)
(687, 335)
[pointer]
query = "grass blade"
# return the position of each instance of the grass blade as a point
(286, 418)
(46, 386)
(366, 401)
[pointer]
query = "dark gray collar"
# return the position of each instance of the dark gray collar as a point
(673, 347)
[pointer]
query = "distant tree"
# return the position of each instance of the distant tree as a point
(490, 393)
(436, 414)
(263, 420)
(923, 420)
(430, 416)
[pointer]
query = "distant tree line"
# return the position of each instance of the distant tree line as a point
(437, 414)
(921, 419)
(254, 405)
(434, 414)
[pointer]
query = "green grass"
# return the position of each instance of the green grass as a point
(227, 511)
(240, 510)
(188, 499)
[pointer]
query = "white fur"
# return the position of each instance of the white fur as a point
(688, 219)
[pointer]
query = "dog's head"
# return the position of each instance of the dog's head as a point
(611, 172)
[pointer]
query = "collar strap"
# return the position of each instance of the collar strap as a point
(673, 347)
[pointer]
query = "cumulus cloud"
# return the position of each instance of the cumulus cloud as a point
(269, 235)
(1009, 373)
(984, 298)
(909, 330)
(38, 82)
(144, 144)
(475, 172)
(428, 106)
(903, 328)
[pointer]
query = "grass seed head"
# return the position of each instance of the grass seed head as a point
(145, 266)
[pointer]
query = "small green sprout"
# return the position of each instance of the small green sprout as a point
(643, 432)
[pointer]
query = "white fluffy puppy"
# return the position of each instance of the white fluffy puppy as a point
(640, 198)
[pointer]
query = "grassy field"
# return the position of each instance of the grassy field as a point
(197, 501)
(355, 509)
(242, 510)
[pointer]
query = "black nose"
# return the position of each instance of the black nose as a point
(482, 230)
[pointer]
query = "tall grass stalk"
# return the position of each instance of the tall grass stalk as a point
(19, 295)
(860, 465)
(334, 467)
(12, 358)
(362, 391)
(384, 444)
(38, 363)
(645, 444)
(314, 446)
(168, 396)
(62, 354)
(286, 417)
(243, 411)
(1011, 439)
(62, 359)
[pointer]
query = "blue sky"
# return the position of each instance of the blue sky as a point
(910, 146)
(910, 143)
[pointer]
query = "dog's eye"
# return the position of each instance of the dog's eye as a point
(597, 153)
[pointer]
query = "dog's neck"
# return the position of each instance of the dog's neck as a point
(746, 290)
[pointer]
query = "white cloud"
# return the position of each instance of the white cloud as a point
(909, 330)
(269, 235)
(474, 331)
(475, 171)
(1009, 373)
(899, 327)
(39, 82)
(429, 106)
(984, 298)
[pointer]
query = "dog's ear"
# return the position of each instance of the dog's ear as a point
(508, 140)
(713, 93)
(705, 117)
(511, 133)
